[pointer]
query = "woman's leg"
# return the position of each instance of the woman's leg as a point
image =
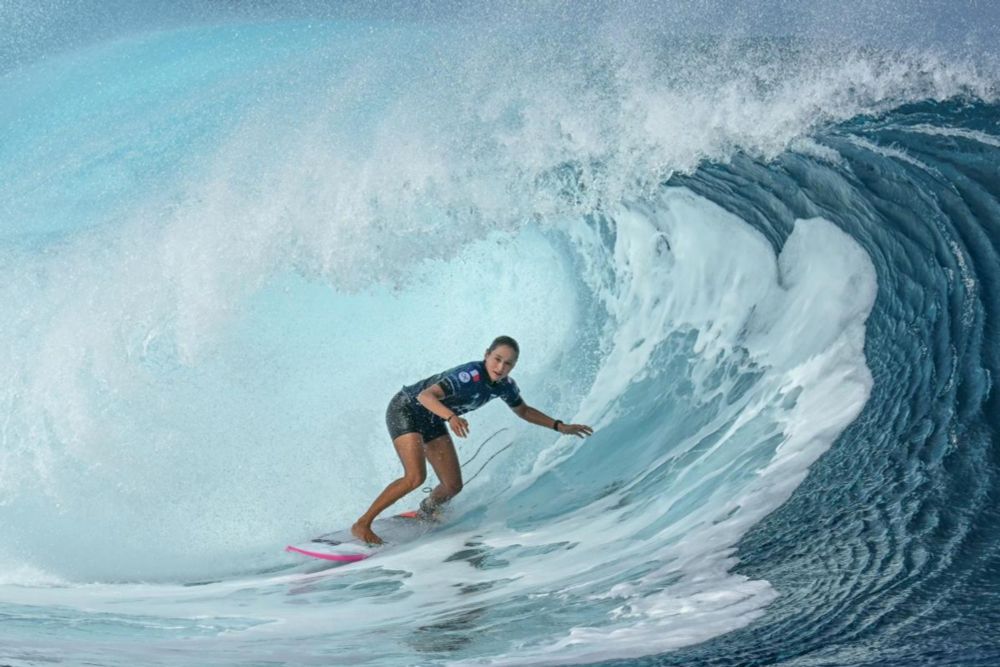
(410, 447)
(441, 453)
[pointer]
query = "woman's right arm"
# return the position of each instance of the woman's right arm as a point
(431, 397)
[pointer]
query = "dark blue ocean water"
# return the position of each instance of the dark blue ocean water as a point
(886, 554)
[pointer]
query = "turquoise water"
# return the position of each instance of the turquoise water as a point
(762, 266)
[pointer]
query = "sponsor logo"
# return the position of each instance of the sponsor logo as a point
(475, 375)
(464, 377)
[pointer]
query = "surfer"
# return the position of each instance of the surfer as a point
(417, 416)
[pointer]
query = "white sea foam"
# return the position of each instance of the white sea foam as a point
(973, 135)
(895, 153)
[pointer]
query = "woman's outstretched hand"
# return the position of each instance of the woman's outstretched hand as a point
(459, 426)
(579, 430)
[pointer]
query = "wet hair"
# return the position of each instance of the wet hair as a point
(504, 340)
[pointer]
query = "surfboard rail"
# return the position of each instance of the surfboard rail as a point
(343, 547)
(339, 558)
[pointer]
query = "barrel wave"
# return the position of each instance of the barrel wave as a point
(763, 267)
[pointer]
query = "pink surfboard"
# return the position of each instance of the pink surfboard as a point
(343, 547)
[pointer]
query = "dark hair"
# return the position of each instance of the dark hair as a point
(504, 340)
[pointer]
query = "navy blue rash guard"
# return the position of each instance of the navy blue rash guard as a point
(466, 388)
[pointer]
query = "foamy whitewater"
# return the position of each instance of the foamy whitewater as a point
(759, 258)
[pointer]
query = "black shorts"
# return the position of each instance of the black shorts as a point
(405, 416)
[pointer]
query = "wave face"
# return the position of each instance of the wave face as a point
(764, 268)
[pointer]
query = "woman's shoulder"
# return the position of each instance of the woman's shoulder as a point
(471, 371)
(467, 366)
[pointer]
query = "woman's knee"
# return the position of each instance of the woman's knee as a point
(414, 480)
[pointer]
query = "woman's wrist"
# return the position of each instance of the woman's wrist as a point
(556, 425)
(450, 417)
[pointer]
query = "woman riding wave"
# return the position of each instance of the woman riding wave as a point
(416, 419)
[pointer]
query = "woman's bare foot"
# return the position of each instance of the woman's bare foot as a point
(364, 533)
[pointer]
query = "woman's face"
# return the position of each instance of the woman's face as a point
(500, 362)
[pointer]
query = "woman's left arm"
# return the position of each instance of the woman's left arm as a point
(530, 414)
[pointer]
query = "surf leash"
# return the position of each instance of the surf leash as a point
(428, 489)
(486, 462)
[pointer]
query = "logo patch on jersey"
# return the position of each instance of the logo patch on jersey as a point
(475, 375)
(464, 377)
